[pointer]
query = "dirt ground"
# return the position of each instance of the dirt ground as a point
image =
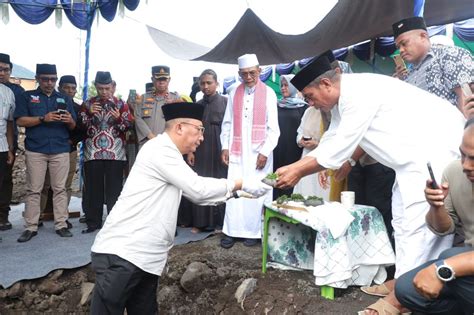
(276, 292)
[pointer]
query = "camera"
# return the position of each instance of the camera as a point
(109, 106)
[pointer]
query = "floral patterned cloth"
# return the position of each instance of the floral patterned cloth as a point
(356, 258)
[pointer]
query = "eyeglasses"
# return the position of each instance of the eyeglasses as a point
(4, 69)
(50, 79)
(199, 128)
(252, 73)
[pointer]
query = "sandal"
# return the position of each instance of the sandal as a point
(383, 308)
(376, 290)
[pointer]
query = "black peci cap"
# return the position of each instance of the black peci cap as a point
(67, 79)
(44, 68)
(4, 58)
(183, 110)
(103, 77)
(312, 70)
(409, 24)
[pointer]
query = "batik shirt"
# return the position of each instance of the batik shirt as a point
(105, 135)
(442, 70)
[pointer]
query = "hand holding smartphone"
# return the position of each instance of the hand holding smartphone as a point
(466, 89)
(434, 184)
(306, 138)
(399, 62)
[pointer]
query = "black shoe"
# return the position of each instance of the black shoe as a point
(64, 232)
(227, 242)
(90, 230)
(69, 224)
(40, 223)
(251, 242)
(26, 236)
(83, 219)
(5, 225)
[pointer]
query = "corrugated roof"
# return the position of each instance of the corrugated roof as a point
(21, 72)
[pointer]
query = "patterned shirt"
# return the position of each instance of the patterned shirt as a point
(442, 70)
(105, 135)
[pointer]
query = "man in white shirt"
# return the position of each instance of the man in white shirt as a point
(7, 108)
(370, 110)
(249, 134)
(131, 250)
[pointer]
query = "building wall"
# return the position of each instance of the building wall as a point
(27, 84)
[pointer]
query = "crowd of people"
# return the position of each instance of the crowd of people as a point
(332, 130)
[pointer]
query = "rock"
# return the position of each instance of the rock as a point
(223, 272)
(54, 275)
(169, 294)
(29, 299)
(3, 294)
(16, 290)
(43, 306)
(51, 287)
(194, 278)
(86, 292)
(245, 289)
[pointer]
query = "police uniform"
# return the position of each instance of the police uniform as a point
(148, 115)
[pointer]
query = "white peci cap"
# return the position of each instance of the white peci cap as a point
(247, 61)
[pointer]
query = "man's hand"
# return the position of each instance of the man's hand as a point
(427, 283)
(323, 179)
(469, 107)
(255, 187)
(190, 158)
(343, 171)
(435, 197)
(66, 118)
(261, 161)
(225, 157)
(115, 113)
(95, 108)
(401, 72)
(288, 176)
(309, 144)
(10, 158)
(52, 116)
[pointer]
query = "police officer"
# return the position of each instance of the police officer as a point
(47, 116)
(149, 119)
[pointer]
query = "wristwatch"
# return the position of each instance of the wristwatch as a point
(352, 162)
(444, 272)
(41, 118)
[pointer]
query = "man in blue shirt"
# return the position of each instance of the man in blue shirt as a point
(47, 116)
(6, 187)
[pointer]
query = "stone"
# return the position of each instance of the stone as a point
(51, 287)
(223, 272)
(54, 275)
(16, 290)
(245, 289)
(86, 292)
(169, 293)
(195, 276)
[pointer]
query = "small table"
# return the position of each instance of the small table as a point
(355, 258)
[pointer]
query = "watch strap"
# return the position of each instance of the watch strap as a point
(442, 267)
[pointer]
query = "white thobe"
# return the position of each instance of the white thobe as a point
(141, 226)
(242, 218)
(402, 127)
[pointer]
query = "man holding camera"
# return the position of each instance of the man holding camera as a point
(105, 119)
(47, 116)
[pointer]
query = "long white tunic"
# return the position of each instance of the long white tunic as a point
(242, 216)
(142, 224)
(402, 127)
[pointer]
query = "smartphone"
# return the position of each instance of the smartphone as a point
(62, 111)
(466, 89)
(399, 61)
(434, 184)
(305, 138)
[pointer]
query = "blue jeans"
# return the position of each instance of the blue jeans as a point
(456, 297)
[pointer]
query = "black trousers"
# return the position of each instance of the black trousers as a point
(103, 181)
(121, 285)
(456, 296)
(6, 186)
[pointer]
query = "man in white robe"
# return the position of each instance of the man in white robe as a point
(399, 125)
(249, 134)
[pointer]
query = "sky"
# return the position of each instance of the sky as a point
(125, 48)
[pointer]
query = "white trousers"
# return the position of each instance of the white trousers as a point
(415, 244)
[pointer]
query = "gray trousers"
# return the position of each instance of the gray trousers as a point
(456, 297)
(121, 285)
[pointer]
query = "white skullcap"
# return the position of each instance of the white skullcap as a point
(247, 61)
(442, 40)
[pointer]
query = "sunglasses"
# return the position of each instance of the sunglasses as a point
(201, 129)
(48, 79)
